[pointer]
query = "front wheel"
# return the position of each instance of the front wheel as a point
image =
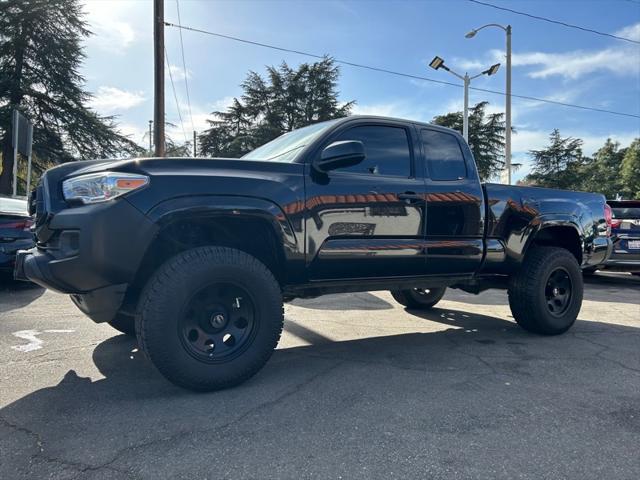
(419, 298)
(210, 318)
(545, 295)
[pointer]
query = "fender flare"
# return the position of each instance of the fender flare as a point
(212, 206)
(544, 222)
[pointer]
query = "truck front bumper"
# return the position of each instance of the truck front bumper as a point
(92, 253)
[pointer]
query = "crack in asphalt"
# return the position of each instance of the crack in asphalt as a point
(606, 348)
(83, 468)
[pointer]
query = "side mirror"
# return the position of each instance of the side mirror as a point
(339, 155)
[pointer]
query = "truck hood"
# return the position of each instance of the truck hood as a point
(185, 166)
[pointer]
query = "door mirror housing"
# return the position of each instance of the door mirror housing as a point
(340, 154)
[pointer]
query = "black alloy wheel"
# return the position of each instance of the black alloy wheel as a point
(558, 291)
(218, 323)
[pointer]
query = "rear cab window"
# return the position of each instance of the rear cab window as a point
(443, 155)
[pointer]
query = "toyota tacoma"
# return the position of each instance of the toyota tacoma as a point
(195, 256)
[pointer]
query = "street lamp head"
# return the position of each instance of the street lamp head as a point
(492, 70)
(471, 34)
(436, 63)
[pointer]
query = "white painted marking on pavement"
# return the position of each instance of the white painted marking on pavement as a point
(31, 336)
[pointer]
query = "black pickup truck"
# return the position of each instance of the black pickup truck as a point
(196, 256)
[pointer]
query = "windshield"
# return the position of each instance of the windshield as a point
(287, 147)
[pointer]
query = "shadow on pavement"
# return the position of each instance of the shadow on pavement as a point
(404, 405)
(16, 294)
(609, 287)
(353, 301)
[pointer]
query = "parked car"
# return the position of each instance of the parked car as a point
(625, 229)
(195, 256)
(15, 233)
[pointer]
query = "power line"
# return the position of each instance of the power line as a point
(175, 96)
(557, 22)
(399, 74)
(184, 67)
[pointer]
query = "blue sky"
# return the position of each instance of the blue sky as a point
(550, 61)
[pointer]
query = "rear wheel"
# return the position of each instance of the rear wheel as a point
(419, 298)
(545, 296)
(210, 318)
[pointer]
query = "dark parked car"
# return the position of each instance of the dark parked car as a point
(195, 256)
(15, 233)
(625, 227)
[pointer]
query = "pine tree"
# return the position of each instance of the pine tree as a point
(283, 101)
(40, 57)
(486, 137)
(559, 165)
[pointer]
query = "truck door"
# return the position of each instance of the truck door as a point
(367, 220)
(455, 205)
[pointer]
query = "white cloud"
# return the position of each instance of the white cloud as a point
(632, 32)
(178, 73)
(135, 133)
(113, 100)
(622, 59)
(390, 109)
(468, 65)
(109, 23)
(221, 104)
(577, 64)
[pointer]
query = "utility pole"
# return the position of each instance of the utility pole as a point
(158, 77)
(195, 150)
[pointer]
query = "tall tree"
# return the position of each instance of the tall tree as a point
(40, 57)
(630, 171)
(283, 101)
(559, 165)
(602, 173)
(486, 137)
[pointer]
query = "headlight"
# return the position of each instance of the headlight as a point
(100, 187)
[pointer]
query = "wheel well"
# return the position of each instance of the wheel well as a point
(255, 236)
(563, 237)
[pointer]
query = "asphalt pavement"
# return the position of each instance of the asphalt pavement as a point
(358, 388)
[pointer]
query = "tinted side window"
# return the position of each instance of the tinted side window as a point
(387, 150)
(443, 155)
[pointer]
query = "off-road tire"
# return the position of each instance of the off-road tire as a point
(419, 299)
(124, 323)
(162, 308)
(528, 291)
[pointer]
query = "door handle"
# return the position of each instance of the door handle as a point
(410, 197)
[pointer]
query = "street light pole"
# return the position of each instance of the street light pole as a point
(438, 63)
(507, 113)
(465, 118)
